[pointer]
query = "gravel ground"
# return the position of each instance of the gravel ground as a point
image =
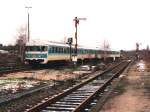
(20, 105)
(40, 75)
(61, 78)
(132, 94)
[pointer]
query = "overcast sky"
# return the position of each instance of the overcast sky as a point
(120, 22)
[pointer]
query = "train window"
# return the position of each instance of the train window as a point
(86, 51)
(53, 49)
(60, 50)
(43, 48)
(91, 52)
(36, 48)
(95, 52)
(65, 50)
(27, 48)
(33, 48)
(57, 49)
(50, 50)
(81, 51)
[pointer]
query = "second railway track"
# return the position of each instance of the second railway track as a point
(79, 96)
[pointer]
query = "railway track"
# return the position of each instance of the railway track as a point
(13, 69)
(79, 96)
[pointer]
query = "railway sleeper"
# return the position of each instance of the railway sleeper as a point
(75, 96)
(78, 95)
(60, 108)
(73, 103)
(87, 89)
(72, 100)
(82, 94)
(53, 111)
(63, 105)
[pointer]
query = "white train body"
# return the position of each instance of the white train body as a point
(44, 52)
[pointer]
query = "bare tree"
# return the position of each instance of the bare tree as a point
(21, 36)
(105, 47)
(21, 40)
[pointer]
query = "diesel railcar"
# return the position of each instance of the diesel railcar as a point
(42, 53)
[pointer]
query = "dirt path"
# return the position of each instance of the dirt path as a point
(133, 93)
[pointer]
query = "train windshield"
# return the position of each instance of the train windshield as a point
(36, 48)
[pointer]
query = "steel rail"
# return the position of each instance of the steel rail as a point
(85, 100)
(102, 87)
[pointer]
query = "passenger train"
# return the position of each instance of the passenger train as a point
(43, 52)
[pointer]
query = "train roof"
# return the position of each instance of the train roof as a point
(47, 43)
(44, 43)
(53, 43)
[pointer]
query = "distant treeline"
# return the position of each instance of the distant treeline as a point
(9, 47)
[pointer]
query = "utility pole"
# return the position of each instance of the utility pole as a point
(28, 23)
(76, 19)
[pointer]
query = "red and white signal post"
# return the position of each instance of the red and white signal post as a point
(76, 19)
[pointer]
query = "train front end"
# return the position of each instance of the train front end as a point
(36, 54)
